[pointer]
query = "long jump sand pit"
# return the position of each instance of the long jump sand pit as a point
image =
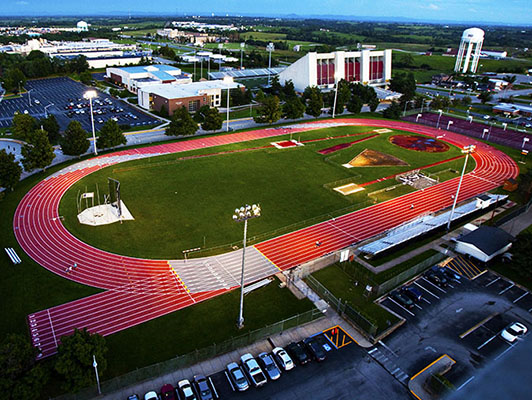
(348, 189)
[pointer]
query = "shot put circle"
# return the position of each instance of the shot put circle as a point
(419, 143)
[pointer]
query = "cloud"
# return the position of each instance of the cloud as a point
(433, 6)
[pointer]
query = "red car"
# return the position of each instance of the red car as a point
(168, 392)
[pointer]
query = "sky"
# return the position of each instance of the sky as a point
(490, 11)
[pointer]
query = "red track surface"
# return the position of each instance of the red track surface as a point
(138, 290)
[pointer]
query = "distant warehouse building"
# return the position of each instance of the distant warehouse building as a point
(133, 78)
(192, 96)
(372, 68)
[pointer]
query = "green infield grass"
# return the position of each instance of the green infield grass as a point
(181, 201)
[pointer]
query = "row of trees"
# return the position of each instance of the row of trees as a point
(22, 377)
(183, 124)
(38, 152)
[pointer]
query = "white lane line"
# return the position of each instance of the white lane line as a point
(425, 300)
(465, 383)
(493, 281)
(520, 297)
(393, 301)
(418, 306)
(230, 381)
(486, 342)
(426, 290)
(508, 288)
(451, 286)
(437, 287)
(52, 326)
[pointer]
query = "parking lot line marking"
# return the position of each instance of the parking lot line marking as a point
(393, 301)
(424, 299)
(428, 291)
(508, 288)
(493, 281)
(430, 365)
(230, 383)
(451, 286)
(520, 297)
(510, 346)
(474, 327)
(480, 274)
(486, 342)
(437, 287)
(418, 306)
(465, 383)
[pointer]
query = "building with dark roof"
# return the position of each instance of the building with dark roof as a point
(484, 243)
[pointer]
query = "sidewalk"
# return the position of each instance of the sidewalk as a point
(217, 364)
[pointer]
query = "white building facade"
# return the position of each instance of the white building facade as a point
(323, 70)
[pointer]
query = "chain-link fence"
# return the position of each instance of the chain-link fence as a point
(179, 362)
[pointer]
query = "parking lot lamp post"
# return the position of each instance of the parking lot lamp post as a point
(243, 214)
(95, 365)
(438, 124)
(90, 94)
(45, 112)
(228, 80)
(467, 150)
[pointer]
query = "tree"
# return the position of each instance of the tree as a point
(510, 79)
(373, 104)
(269, 111)
(293, 108)
(23, 125)
(393, 111)
(14, 79)
(10, 170)
(75, 142)
(75, 358)
(405, 84)
(314, 102)
(289, 90)
(37, 153)
(436, 103)
(85, 77)
(343, 97)
(181, 124)
(484, 97)
(50, 125)
(354, 105)
(213, 120)
(20, 376)
(199, 115)
(110, 135)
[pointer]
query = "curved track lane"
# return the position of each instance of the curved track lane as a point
(137, 290)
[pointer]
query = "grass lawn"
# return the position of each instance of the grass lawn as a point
(177, 203)
(342, 286)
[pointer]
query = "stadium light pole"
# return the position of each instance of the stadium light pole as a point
(270, 48)
(242, 45)
(524, 142)
(95, 365)
(90, 94)
(336, 80)
(449, 124)
(438, 124)
(243, 214)
(418, 116)
(227, 80)
(467, 150)
(29, 97)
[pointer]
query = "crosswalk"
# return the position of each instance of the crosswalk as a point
(465, 267)
(385, 359)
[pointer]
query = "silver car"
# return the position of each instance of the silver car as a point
(236, 375)
(269, 366)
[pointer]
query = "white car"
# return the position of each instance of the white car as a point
(186, 389)
(283, 359)
(151, 396)
(37, 101)
(513, 332)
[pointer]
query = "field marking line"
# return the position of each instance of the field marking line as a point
(425, 289)
(520, 297)
(266, 257)
(52, 326)
(476, 326)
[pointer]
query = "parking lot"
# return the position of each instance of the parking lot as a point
(347, 366)
(63, 97)
(463, 319)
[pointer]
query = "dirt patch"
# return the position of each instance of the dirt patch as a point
(372, 158)
(419, 143)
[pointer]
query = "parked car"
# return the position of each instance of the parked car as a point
(133, 397)
(237, 376)
(168, 392)
(403, 300)
(450, 274)
(436, 278)
(298, 353)
(186, 391)
(202, 387)
(268, 366)
(323, 342)
(513, 332)
(411, 292)
(283, 359)
(254, 372)
(151, 395)
(315, 349)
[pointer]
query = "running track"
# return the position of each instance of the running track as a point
(138, 290)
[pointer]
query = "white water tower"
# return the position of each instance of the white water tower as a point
(470, 45)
